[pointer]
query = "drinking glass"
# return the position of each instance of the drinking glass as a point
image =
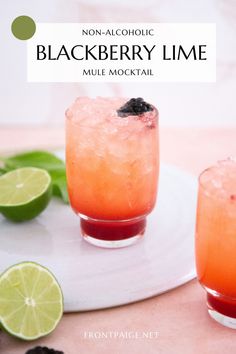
(112, 163)
(216, 240)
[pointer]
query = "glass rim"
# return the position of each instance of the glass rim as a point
(200, 182)
(78, 123)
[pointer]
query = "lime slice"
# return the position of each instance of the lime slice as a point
(31, 301)
(24, 193)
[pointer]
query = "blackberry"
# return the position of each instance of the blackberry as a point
(43, 350)
(134, 107)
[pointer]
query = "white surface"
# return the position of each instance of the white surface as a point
(93, 278)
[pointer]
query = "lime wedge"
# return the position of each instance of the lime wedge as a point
(31, 301)
(24, 193)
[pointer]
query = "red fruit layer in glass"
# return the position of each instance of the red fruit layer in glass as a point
(227, 308)
(113, 231)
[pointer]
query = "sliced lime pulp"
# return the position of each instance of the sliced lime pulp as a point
(31, 301)
(24, 193)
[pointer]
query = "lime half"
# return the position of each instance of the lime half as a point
(31, 301)
(24, 193)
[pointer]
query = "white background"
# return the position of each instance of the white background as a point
(68, 35)
(179, 104)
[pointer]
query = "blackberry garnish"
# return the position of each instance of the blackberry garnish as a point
(43, 350)
(134, 107)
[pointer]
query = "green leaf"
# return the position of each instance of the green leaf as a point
(40, 159)
(45, 160)
(60, 184)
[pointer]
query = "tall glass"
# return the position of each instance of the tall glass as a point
(112, 162)
(216, 240)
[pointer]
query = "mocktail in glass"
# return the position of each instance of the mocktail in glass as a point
(112, 162)
(216, 240)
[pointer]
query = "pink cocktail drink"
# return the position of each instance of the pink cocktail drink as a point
(216, 240)
(112, 160)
